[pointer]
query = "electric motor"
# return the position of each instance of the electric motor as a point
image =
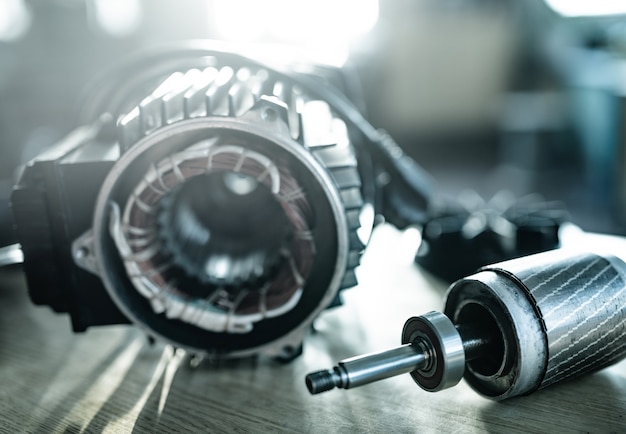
(215, 201)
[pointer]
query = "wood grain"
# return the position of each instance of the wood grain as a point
(110, 379)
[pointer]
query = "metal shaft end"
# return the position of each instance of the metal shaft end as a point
(322, 381)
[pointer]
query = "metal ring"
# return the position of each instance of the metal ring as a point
(446, 358)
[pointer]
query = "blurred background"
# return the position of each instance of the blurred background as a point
(527, 96)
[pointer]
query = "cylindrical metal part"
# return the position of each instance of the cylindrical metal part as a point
(556, 315)
(365, 369)
(361, 370)
(476, 340)
(432, 352)
(446, 355)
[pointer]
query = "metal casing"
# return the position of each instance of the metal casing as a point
(560, 314)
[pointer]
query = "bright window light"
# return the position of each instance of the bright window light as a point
(317, 25)
(118, 18)
(581, 8)
(14, 19)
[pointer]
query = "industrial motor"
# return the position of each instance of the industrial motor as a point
(215, 201)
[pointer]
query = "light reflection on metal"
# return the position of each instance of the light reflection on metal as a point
(11, 254)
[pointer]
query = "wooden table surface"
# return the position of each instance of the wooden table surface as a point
(111, 379)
